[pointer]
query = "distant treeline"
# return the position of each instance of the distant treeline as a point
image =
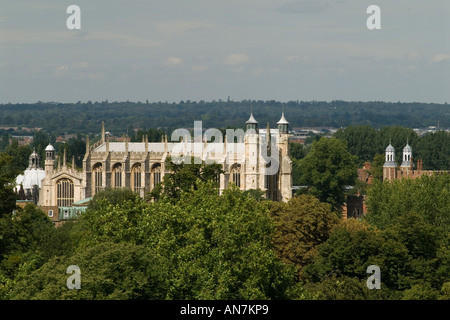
(124, 117)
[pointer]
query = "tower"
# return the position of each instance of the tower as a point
(285, 164)
(407, 158)
(251, 123)
(49, 159)
(251, 142)
(389, 167)
(283, 125)
(33, 161)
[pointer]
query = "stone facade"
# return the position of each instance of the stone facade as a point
(140, 166)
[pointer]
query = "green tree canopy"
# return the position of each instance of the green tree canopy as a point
(327, 170)
(301, 225)
(184, 177)
(8, 174)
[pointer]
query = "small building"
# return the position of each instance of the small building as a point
(407, 168)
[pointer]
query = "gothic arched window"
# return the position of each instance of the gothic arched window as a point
(236, 174)
(136, 178)
(156, 174)
(64, 192)
(97, 177)
(117, 176)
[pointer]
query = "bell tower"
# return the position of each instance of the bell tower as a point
(285, 163)
(389, 167)
(49, 159)
(407, 165)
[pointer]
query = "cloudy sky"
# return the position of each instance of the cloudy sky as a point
(172, 50)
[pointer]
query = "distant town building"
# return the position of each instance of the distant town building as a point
(407, 169)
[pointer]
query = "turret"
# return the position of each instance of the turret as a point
(252, 124)
(33, 160)
(389, 167)
(283, 125)
(407, 156)
(389, 156)
(49, 159)
(103, 132)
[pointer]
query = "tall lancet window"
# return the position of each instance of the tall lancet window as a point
(136, 178)
(98, 177)
(117, 176)
(156, 171)
(236, 175)
(64, 192)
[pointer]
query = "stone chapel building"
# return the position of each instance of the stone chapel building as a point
(140, 166)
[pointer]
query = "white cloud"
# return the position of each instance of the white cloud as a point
(236, 59)
(441, 57)
(60, 70)
(172, 62)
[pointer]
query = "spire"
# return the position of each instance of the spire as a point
(73, 163)
(283, 124)
(65, 158)
(103, 131)
(88, 145)
(146, 143)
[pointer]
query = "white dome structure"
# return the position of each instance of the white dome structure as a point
(31, 177)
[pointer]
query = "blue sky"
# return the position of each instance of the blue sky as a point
(172, 50)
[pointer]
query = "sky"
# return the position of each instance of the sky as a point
(173, 50)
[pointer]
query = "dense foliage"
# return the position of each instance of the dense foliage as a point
(122, 117)
(326, 170)
(193, 243)
(366, 142)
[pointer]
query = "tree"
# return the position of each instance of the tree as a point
(213, 246)
(301, 226)
(327, 169)
(427, 196)
(434, 150)
(113, 197)
(25, 244)
(376, 170)
(4, 142)
(184, 176)
(361, 141)
(297, 150)
(154, 135)
(109, 271)
(20, 154)
(296, 172)
(8, 174)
